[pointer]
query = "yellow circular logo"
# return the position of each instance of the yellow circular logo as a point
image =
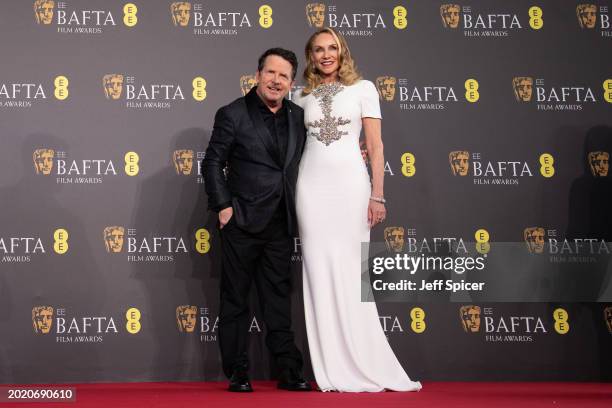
(61, 87)
(199, 88)
(408, 168)
(535, 18)
(561, 317)
(202, 237)
(417, 317)
(399, 17)
(132, 317)
(482, 241)
(471, 90)
(265, 16)
(60, 241)
(131, 163)
(129, 14)
(547, 169)
(607, 86)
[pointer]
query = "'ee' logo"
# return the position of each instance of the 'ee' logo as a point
(561, 325)
(265, 16)
(129, 15)
(60, 241)
(132, 324)
(471, 90)
(202, 241)
(417, 316)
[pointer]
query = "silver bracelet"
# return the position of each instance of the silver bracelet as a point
(378, 199)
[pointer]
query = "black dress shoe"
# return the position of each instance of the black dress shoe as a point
(239, 382)
(293, 381)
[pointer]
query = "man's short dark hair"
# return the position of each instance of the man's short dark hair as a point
(287, 55)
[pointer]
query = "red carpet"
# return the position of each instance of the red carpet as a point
(434, 394)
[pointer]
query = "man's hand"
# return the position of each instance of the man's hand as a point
(225, 215)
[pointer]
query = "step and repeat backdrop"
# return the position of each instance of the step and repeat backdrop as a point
(497, 128)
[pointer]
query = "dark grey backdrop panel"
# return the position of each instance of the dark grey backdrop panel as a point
(84, 313)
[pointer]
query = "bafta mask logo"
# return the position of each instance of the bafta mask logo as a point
(450, 14)
(394, 239)
(43, 161)
(599, 163)
(43, 10)
(315, 14)
(113, 85)
(470, 318)
(608, 318)
(459, 162)
(42, 319)
(523, 88)
(183, 161)
(534, 239)
(246, 83)
(180, 10)
(587, 15)
(386, 87)
(186, 318)
(113, 238)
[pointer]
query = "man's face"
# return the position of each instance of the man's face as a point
(386, 85)
(471, 318)
(450, 14)
(44, 11)
(181, 13)
(588, 15)
(114, 239)
(246, 83)
(187, 318)
(460, 163)
(274, 79)
(535, 240)
(113, 85)
(395, 238)
(316, 14)
(524, 89)
(44, 161)
(44, 320)
(599, 163)
(184, 162)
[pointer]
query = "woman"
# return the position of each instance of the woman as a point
(336, 207)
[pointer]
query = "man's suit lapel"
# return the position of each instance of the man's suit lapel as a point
(260, 126)
(292, 135)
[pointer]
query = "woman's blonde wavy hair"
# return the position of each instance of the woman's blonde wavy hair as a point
(347, 74)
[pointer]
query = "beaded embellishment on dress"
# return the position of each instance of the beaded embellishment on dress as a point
(328, 124)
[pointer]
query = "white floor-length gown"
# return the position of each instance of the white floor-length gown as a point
(348, 348)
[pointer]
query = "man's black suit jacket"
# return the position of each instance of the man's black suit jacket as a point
(256, 179)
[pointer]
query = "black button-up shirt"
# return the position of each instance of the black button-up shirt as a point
(278, 126)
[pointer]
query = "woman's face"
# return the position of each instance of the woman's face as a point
(325, 53)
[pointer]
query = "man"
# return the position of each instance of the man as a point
(260, 138)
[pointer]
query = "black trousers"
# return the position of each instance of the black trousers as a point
(263, 258)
